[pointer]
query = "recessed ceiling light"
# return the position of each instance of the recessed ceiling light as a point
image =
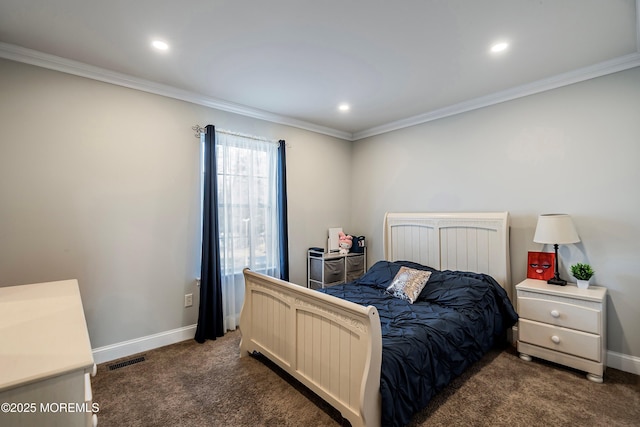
(499, 47)
(344, 107)
(160, 45)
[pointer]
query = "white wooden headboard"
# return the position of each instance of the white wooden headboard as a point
(477, 242)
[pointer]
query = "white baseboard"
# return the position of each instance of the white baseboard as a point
(138, 345)
(623, 362)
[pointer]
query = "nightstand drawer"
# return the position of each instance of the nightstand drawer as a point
(556, 338)
(559, 313)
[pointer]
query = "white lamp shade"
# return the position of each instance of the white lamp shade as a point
(555, 228)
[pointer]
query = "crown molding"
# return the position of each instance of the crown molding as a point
(607, 67)
(52, 62)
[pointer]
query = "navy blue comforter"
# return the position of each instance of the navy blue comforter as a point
(458, 317)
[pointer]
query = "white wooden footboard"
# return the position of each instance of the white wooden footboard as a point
(332, 346)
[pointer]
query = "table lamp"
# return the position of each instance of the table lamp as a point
(556, 229)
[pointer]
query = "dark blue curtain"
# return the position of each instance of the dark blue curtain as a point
(210, 316)
(282, 209)
(210, 321)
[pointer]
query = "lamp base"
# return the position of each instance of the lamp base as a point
(557, 281)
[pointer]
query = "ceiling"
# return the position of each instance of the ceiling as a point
(293, 61)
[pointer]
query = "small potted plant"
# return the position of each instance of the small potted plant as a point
(582, 272)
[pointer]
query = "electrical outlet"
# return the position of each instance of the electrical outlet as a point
(188, 300)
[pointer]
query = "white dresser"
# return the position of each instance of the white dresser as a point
(45, 357)
(563, 324)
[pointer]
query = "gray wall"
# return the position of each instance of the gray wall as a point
(572, 150)
(101, 183)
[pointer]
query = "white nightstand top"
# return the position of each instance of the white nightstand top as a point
(592, 293)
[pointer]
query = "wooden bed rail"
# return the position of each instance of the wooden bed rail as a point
(332, 346)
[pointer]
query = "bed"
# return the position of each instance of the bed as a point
(335, 341)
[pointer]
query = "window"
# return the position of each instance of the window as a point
(247, 204)
(247, 212)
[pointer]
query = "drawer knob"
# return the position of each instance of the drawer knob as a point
(555, 313)
(555, 339)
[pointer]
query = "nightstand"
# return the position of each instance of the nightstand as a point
(563, 324)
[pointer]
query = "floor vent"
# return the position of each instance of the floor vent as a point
(126, 363)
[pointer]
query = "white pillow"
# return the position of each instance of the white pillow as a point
(408, 283)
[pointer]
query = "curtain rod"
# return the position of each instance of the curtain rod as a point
(199, 130)
(243, 135)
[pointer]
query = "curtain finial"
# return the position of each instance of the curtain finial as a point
(199, 130)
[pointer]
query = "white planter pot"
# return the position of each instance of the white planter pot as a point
(583, 284)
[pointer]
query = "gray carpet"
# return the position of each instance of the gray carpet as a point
(191, 384)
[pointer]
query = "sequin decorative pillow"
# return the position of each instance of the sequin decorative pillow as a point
(408, 283)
